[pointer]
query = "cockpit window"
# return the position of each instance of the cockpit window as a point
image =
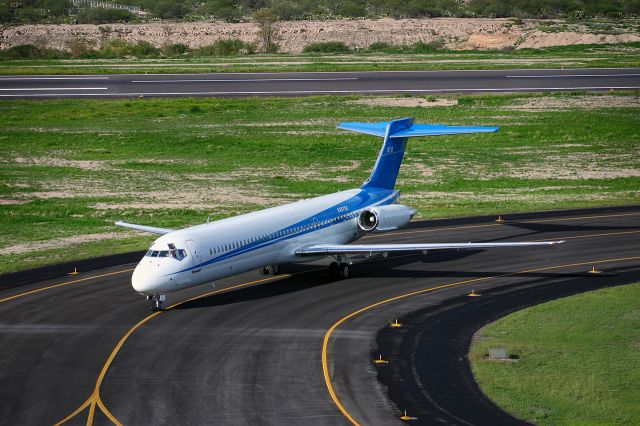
(175, 253)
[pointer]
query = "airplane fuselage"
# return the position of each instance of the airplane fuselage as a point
(211, 251)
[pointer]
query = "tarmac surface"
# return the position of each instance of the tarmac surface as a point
(289, 349)
(318, 83)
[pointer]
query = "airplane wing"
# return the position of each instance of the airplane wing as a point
(153, 230)
(317, 249)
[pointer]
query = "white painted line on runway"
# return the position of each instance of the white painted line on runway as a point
(51, 78)
(571, 75)
(379, 72)
(311, 92)
(54, 88)
(245, 80)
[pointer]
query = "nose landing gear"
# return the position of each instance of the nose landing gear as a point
(157, 302)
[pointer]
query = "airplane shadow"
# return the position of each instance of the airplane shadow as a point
(310, 276)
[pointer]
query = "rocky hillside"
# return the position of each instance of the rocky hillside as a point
(293, 36)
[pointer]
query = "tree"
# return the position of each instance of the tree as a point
(267, 21)
(169, 9)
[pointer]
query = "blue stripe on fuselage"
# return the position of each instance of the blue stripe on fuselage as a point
(365, 198)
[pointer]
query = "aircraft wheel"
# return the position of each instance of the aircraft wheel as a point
(344, 271)
(157, 305)
(263, 271)
(275, 269)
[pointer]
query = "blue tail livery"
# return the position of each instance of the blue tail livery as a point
(395, 134)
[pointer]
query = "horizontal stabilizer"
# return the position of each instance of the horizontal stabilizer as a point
(413, 130)
(386, 248)
(151, 229)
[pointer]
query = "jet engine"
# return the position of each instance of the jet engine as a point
(385, 218)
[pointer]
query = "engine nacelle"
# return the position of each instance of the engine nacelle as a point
(385, 218)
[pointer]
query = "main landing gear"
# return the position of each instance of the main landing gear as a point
(270, 270)
(340, 269)
(157, 302)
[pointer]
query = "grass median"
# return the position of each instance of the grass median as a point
(575, 56)
(577, 360)
(70, 168)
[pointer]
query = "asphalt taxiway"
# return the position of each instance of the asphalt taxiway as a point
(318, 83)
(289, 349)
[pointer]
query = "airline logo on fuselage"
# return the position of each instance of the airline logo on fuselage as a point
(343, 209)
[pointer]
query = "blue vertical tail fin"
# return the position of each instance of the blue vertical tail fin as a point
(396, 133)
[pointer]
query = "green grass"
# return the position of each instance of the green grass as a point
(579, 360)
(72, 167)
(575, 56)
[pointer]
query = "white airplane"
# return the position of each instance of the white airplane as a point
(303, 231)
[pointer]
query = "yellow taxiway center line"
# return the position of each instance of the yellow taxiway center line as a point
(95, 398)
(576, 237)
(38, 290)
(327, 336)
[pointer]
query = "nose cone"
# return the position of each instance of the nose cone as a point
(142, 279)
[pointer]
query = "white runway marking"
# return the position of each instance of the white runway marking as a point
(311, 92)
(571, 75)
(54, 88)
(51, 78)
(245, 80)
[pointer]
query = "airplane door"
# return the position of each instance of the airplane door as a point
(195, 254)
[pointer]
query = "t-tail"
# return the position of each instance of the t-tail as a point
(395, 134)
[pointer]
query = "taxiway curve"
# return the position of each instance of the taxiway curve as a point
(318, 83)
(285, 350)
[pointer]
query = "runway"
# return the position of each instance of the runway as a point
(320, 83)
(289, 349)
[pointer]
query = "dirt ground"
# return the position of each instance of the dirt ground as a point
(293, 36)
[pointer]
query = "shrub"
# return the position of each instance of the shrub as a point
(169, 9)
(143, 49)
(327, 47)
(222, 9)
(177, 49)
(422, 47)
(226, 47)
(6, 13)
(383, 47)
(119, 48)
(96, 15)
(30, 51)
